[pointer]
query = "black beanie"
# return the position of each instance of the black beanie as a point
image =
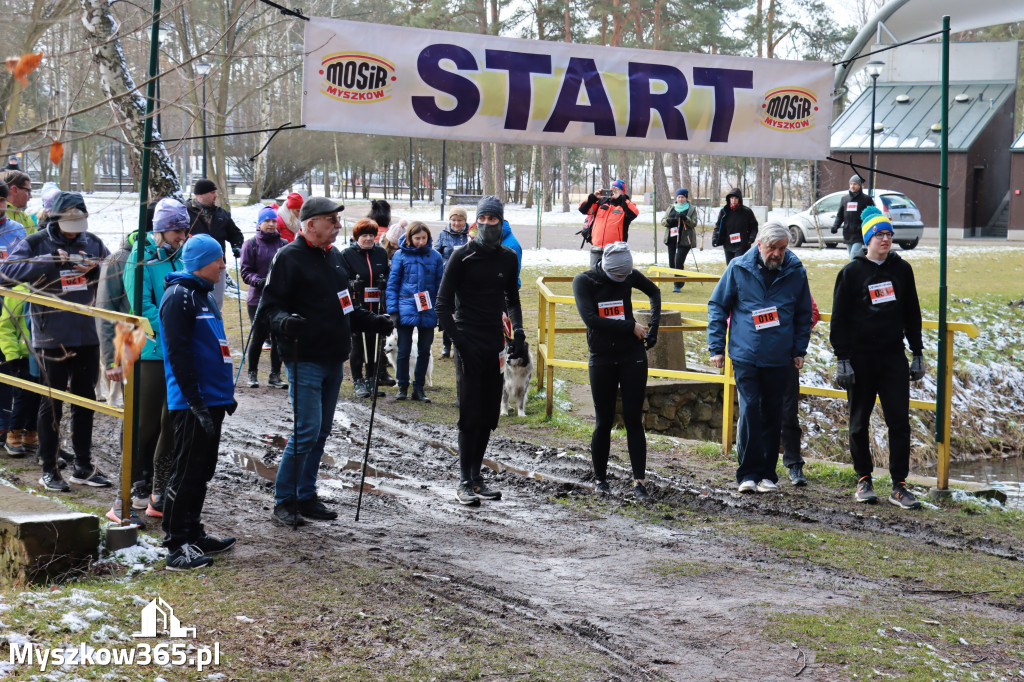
(203, 186)
(491, 205)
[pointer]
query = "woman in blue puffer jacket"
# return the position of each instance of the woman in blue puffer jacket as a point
(412, 287)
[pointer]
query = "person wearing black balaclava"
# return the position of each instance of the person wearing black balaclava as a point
(479, 283)
(618, 356)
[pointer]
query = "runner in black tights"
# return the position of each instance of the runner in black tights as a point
(618, 357)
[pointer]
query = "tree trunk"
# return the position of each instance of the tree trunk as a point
(259, 173)
(531, 179)
(486, 168)
(128, 105)
(661, 182)
(499, 172)
(565, 179)
(606, 178)
(545, 179)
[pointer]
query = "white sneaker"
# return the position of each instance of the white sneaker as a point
(748, 487)
(766, 486)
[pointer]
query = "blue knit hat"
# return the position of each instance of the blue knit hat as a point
(620, 184)
(872, 221)
(683, 192)
(200, 250)
(266, 213)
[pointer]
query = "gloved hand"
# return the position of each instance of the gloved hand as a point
(834, 229)
(293, 326)
(396, 320)
(260, 283)
(203, 416)
(519, 348)
(592, 198)
(236, 252)
(384, 325)
(844, 375)
(230, 409)
(917, 368)
(650, 339)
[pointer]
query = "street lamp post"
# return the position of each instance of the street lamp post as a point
(874, 70)
(203, 68)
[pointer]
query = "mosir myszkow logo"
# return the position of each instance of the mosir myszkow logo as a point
(357, 77)
(158, 619)
(789, 109)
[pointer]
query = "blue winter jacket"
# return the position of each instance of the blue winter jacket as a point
(740, 292)
(448, 241)
(197, 361)
(508, 239)
(11, 232)
(414, 270)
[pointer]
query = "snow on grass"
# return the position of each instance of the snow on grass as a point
(141, 556)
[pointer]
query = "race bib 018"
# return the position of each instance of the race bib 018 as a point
(346, 301)
(734, 238)
(423, 302)
(73, 280)
(851, 206)
(371, 295)
(766, 318)
(881, 292)
(225, 351)
(612, 310)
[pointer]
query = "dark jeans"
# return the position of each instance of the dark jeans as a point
(156, 429)
(791, 431)
(677, 255)
(364, 351)
(886, 375)
(758, 430)
(607, 378)
(25, 407)
(192, 467)
(78, 367)
(732, 253)
(479, 387)
(260, 333)
(423, 341)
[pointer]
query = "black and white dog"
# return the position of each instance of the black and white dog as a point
(518, 372)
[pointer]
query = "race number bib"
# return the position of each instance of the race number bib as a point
(3, 254)
(673, 231)
(423, 302)
(346, 301)
(225, 351)
(734, 238)
(371, 295)
(612, 310)
(851, 207)
(881, 292)
(73, 280)
(765, 318)
(501, 361)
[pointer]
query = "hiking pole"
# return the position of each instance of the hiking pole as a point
(238, 288)
(369, 434)
(295, 434)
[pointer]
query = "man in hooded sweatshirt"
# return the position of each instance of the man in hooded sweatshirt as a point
(736, 227)
(849, 216)
(480, 282)
(65, 258)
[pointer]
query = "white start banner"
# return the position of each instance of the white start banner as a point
(394, 80)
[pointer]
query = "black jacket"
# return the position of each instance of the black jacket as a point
(862, 327)
(686, 222)
(739, 221)
(610, 338)
(214, 221)
(850, 220)
(305, 280)
(368, 269)
(477, 287)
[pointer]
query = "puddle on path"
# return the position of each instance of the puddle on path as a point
(1006, 475)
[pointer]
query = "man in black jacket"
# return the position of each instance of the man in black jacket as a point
(308, 302)
(206, 217)
(874, 307)
(849, 216)
(736, 228)
(481, 280)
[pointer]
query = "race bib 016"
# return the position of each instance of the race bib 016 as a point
(423, 302)
(225, 351)
(734, 238)
(346, 301)
(371, 295)
(851, 206)
(766, 318)
(73, 280)
(881, 292)
(612, 310)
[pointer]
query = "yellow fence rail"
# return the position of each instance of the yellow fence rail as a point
(126, 413)
(548, 360)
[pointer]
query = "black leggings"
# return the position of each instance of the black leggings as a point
(677, 254)
(884, 374)
(607, 377)
(260, 333)
(479, 386)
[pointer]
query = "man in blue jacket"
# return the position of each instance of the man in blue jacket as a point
(764, 301)
(200, 391)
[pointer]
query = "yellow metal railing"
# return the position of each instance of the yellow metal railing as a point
(126, 414)
(548, 360)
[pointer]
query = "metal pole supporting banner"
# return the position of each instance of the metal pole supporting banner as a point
(204, 127)
(941, 416)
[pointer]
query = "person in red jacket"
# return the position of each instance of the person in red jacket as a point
(791, 431)
(612, 213)
(288, 217)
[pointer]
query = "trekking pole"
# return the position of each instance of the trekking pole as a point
(238, 288)
(369, 434)
(295, 434)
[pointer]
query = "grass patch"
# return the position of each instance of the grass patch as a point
(682, 569)
(910, 643)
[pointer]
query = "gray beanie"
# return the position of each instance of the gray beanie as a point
(858, 179)
(617, 261)
(491, 205)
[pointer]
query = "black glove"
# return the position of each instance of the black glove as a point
(519, 347)
(396, 320)
(917, 368)
(383, 324)
(230, 409)
(260, 283)
(651, 338)
(293, 326)
(236, 251)
(203, 416)
(844, 375)
(592, 198)
(834, 229)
